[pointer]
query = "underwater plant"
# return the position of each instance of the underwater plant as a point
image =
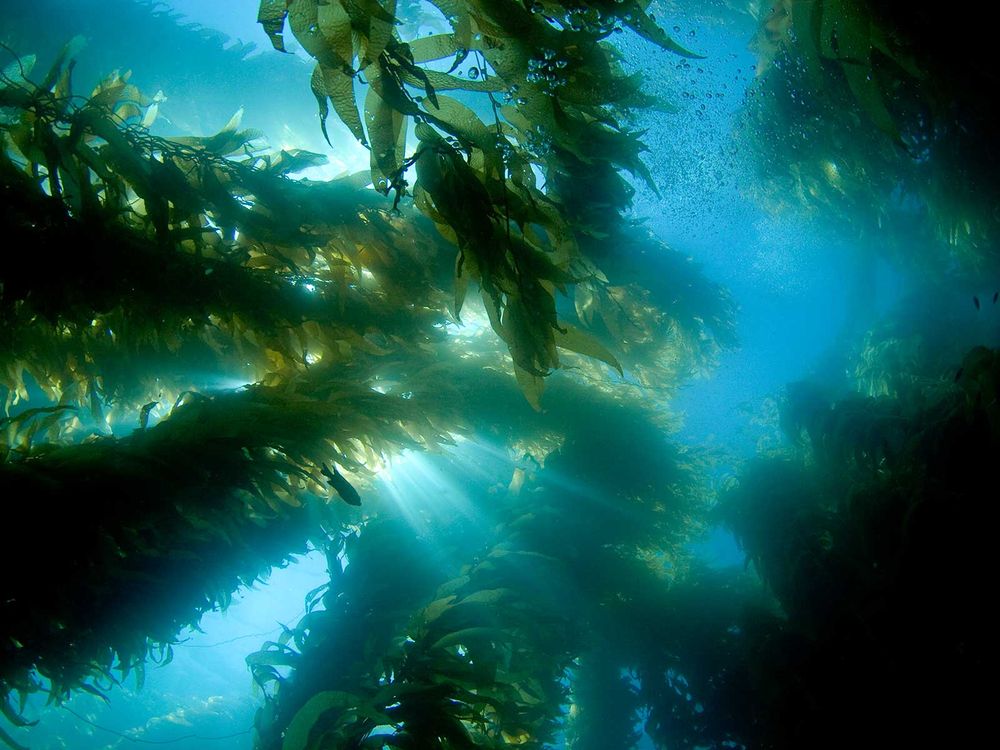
(543, 573)
(863, 112)
(209, 364)
(874, 539)
(556, 97)
(180, 266)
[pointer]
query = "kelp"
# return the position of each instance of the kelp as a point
(912, 355)
(588, 525)
(863, 612)
(168, 255)
(250, 233)
(474, 667)
(873, 538)
(389, 571)
(230, 485)
(693, 673)
(670, 324)
(163, 249)
(556, 97)
(860, 111)
(604, 711)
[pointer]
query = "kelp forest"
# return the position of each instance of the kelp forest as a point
(441, 295)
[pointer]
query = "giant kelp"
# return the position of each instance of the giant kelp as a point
(556, 97)
(338, 307)
(871, 539)
(256, 220)
(861, 111)
(164, 246)
(912, 354)
(875, 542)
(481, 652)
(228, 485)
(166, 255)
(142, 236)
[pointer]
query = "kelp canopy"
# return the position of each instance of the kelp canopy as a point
(175, 263)
(207, 363)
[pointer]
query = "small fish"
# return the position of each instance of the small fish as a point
(975, 301)
(995, 295)
(344, 488)
(958, 375)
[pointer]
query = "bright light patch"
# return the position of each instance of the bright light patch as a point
(425, 496)
(474, 321)
(218, 383)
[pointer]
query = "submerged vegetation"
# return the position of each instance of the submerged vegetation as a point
(892, 137)
(875, 539)
(209, 365)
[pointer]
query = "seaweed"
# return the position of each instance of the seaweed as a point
(557, 96)
(229, 485)
(917, 166)
(175, 263)
(873, 538)
(483, 652)
(134, 279)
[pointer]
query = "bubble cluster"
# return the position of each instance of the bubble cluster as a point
(593, 21)
(546, 70)
(510, 96)
(506, 149)
(538, 141)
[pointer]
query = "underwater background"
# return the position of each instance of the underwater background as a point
(485, 373)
